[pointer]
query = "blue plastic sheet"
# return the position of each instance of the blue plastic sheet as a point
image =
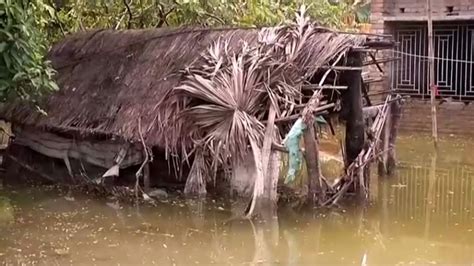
(292, 143)
(320, 120)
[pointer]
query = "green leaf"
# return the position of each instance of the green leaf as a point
(3, 46)
(54, 86)
(7, 60)
(50, 10)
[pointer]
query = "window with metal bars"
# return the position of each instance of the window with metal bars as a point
(454, 53)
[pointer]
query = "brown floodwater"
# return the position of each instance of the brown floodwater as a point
(423, 215)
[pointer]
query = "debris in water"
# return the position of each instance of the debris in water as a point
(158, 193)
(399, 186)
(61, 251)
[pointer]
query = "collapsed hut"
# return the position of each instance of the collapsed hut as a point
(208, 105)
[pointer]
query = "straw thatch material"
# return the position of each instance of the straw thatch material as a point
(224, 99)
(111, 79)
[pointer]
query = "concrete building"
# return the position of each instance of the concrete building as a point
(453, 31)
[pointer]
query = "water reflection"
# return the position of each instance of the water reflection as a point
(422, 216)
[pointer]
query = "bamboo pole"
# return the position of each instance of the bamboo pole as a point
(431, 77)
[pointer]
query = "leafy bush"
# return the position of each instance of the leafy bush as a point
(24, 73)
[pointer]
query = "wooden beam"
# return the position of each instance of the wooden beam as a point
(373, 80)
(363, 49)
(318, 87)
(296, 116)
(366, 34)
(377, 62)
(299, 106)
(343, 68)
(374, 61)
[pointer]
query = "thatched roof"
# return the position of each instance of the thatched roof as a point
(111, 80)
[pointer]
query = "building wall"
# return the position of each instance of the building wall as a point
(398, 9)
(440, 7)
(453, 118)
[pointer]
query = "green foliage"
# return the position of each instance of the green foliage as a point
(78, 15)
(27, 27)
(23, 71)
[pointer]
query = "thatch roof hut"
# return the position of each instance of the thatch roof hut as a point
(111, 79)
(180, 89)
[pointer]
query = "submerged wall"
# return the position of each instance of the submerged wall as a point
(453, 118)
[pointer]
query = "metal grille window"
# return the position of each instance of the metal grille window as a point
(454, 53)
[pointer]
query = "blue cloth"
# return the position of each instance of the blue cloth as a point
(292, 143)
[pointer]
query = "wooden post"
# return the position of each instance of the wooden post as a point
(431, 74)
(395, 116)
(353, 113)
(312, 164)
(146, 177)
(390, 131)
(312, 150)
(385, 144)
(352, 104)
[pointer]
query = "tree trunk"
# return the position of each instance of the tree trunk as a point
(352, 104)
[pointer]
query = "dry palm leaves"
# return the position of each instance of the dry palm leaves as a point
(226, 94)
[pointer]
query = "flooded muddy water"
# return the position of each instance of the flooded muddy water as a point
(424, 215)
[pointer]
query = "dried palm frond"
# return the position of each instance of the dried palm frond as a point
(196, 182)
(226, 94)
(228, 109)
